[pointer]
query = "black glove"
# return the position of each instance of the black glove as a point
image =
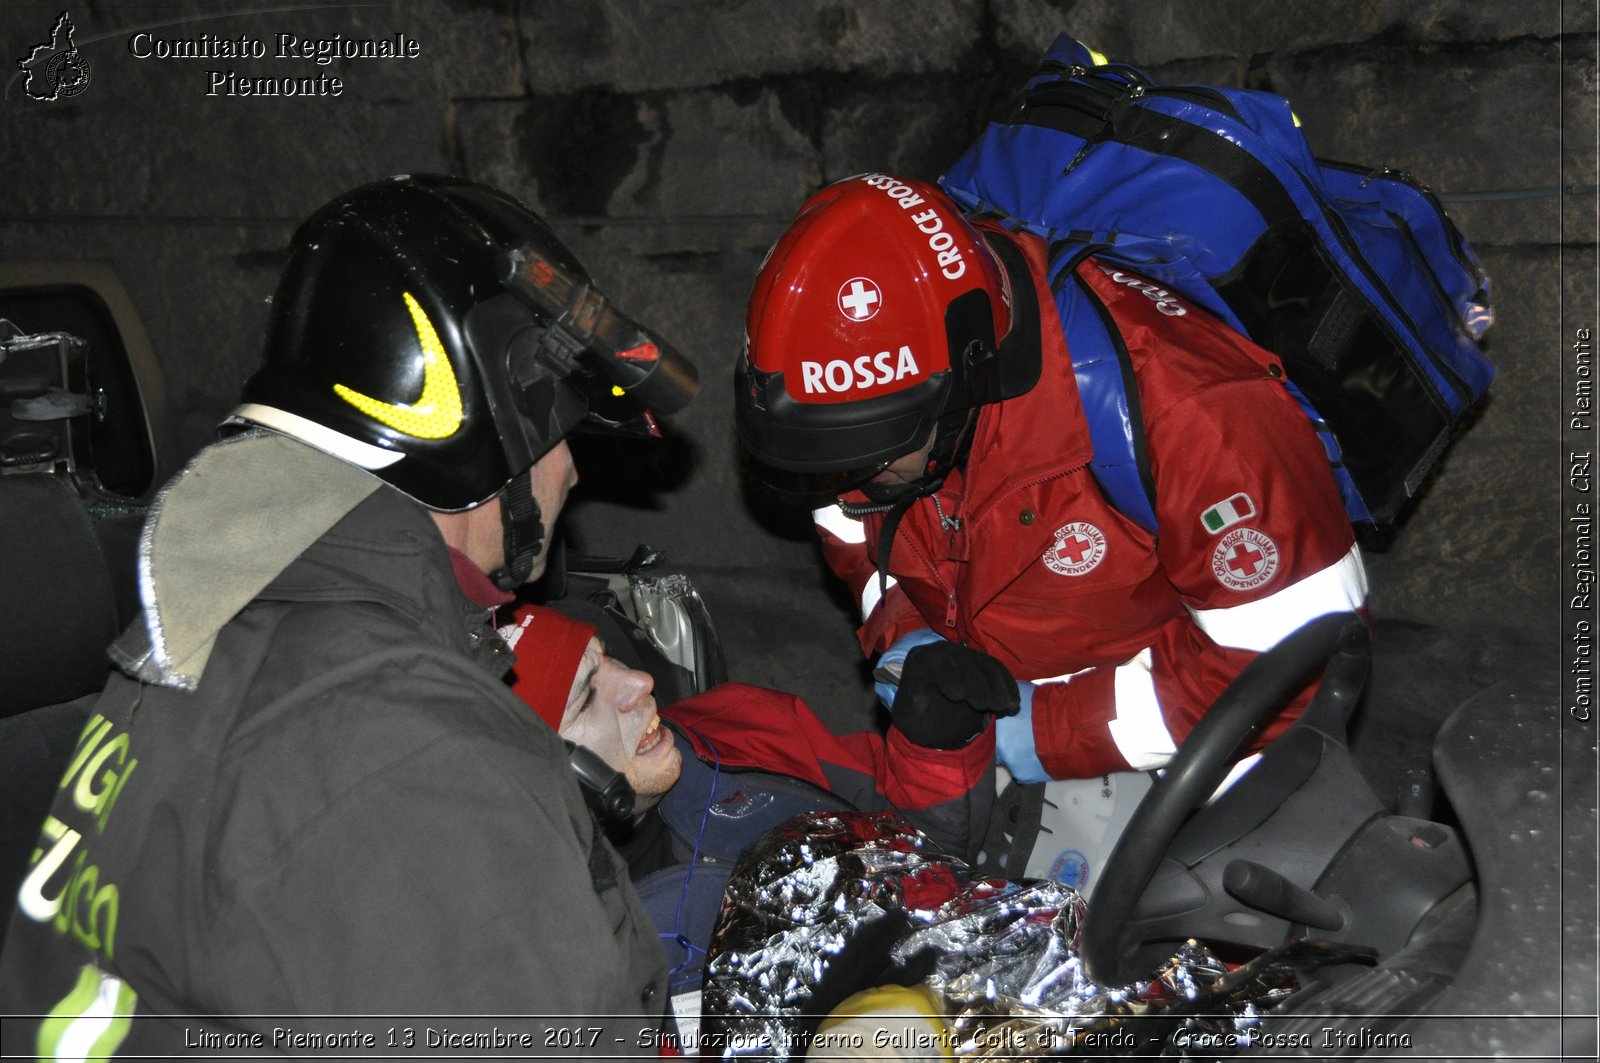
(946, 693)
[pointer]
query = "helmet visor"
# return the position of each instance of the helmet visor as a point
(613, 410)
(820, 485)
(634, 363)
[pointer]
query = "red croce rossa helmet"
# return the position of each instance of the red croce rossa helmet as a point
(879, 311)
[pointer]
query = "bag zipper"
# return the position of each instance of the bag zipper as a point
(1347, 243)
(1387, 173)
(1062, 94)
(1439, 293)
(1090, 80)
(1206, 97)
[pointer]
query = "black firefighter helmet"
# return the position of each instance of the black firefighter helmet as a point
(435, 332)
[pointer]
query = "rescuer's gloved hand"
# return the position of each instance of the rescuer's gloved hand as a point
(947, 693)
(886, 674)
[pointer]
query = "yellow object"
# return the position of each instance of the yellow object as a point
(437, 412)
(888, 1022)
(1099, 59)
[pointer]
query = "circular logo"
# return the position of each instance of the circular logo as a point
(860, 299)
(1077, 549)
(1071, 868)
(67, 74)
(1244, 559)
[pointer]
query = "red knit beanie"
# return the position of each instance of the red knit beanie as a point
(549, 648)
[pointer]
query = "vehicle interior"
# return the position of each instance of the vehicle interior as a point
(1426, 924)
(82, 453)
(1445, 923)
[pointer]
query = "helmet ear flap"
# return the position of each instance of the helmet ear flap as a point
(533, 405)
(974, 347)
(1019, 352)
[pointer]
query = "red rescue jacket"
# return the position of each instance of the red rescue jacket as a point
(1133, 636)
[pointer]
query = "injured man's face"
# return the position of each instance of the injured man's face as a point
(611, 711)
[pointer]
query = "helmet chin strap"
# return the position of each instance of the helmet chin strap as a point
(952, 439)
(522, 531)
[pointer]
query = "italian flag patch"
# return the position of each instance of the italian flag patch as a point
(1227, 513)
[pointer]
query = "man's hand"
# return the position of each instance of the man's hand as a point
(948, 691)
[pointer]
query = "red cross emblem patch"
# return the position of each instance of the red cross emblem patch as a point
(1077, 549)
(1244, 559)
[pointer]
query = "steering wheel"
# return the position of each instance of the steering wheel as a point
(1338, 640)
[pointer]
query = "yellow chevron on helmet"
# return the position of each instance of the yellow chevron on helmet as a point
(437, 412)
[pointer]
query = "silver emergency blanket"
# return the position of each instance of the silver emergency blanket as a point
(832, 903)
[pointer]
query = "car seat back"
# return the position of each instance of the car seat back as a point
(58, 606)
(58, 613)
(84, 445)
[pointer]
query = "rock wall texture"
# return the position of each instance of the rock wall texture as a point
(670, 141)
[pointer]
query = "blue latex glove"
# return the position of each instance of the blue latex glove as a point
(886, 674)
(1013, 740)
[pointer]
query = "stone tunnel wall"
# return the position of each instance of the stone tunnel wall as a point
(670, 141)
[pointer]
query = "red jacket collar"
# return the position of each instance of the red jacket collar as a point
(1042, 432)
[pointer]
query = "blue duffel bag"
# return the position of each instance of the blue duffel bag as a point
(1353, 276)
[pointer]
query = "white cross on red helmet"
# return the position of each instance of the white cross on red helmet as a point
(859, 299)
